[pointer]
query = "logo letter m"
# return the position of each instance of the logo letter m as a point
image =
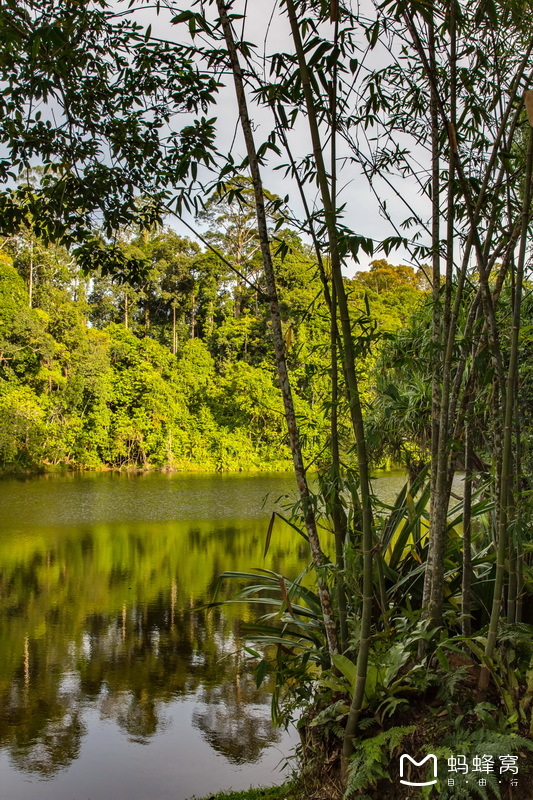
(405, 758)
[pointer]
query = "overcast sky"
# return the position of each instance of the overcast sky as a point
(269, 30)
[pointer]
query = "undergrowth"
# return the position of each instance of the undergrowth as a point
(284, 792)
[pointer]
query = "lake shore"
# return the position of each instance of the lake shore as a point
(182, 468)
(287, 791)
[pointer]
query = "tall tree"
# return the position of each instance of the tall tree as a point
(70, 72)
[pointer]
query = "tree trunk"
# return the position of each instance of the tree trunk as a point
(506, 468)
(193, 316)
(338, 513)
(30, 278)
(436, 439)
(174, 347)
(466, 588)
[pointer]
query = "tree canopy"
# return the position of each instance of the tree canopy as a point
(257, 343)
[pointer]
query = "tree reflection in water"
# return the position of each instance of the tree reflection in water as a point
(230, 721)
(107, 618)
(56, 747)
(41, 721)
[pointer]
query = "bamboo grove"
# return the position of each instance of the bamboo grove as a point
(428, 108)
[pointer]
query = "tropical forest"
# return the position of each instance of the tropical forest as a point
(266, 400)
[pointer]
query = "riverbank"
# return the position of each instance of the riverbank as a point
(286, 791)
(183, 468)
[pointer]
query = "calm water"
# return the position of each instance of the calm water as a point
(111, 684)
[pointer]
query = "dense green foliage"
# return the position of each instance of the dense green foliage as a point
(185, 372)
(175, 371)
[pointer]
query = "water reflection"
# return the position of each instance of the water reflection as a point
(233, 720)
(103, 616)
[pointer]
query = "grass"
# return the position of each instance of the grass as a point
(284, 792)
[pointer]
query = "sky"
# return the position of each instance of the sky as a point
(268, 28)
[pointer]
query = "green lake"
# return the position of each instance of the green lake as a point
(112, 685)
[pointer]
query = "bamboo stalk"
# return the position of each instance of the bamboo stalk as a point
(506, 468)
(466, 583)
(279, 345)
(435, 534)
(353, 389)
(337, 510)
(338, 513)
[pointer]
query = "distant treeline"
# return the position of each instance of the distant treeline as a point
(175, 370)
